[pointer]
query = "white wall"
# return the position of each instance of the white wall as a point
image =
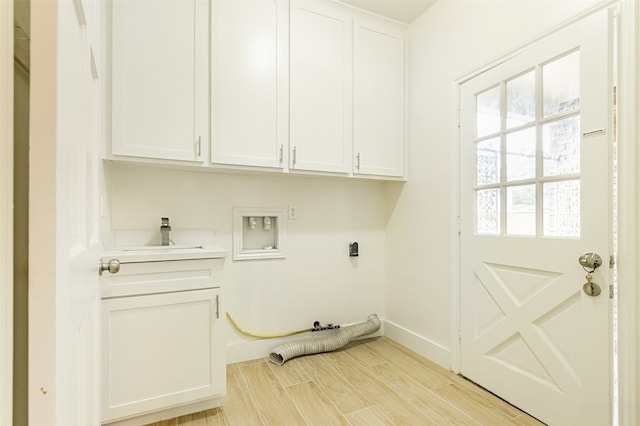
(452, 38)
(316, 281)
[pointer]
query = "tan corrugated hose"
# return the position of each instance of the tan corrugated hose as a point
(324, 341)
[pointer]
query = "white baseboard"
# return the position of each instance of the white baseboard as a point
(261, 348)
(419, 344)
(252, 349)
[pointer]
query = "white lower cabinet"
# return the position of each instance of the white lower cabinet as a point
(162, 353)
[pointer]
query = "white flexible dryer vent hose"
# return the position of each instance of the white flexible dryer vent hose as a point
(325, 343)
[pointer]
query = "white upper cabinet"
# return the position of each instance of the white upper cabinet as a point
(249, 82)
(320, 87)
(160, 79)
(379, 101)
(310, 86)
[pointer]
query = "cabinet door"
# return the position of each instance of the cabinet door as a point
(379, 103)
(160, 351)
(159, 77)
(320, 85)
(249, 122)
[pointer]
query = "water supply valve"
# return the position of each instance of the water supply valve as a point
(319, 327)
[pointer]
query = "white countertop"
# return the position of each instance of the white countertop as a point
(136, 254)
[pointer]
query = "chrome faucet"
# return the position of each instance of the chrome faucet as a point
(164, 231)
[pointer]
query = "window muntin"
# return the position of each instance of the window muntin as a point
(527, 150)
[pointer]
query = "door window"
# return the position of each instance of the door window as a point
(527, 145)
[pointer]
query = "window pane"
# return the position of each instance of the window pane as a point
(561, 147)
(561, 85)
(521, 210)
(521, 102)
(488, 112)
(521, 154)
(561, 202)
(488, 161)
(488, 211)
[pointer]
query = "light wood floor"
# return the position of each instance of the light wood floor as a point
(368, 382)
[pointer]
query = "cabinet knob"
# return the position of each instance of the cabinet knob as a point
(113, 266)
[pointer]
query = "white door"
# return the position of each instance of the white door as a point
(65, 137)
(535, 195)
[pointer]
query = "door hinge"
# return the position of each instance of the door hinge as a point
(612, 261)
(281, 154)
(611, 291)
(459, 220)
(458, 118)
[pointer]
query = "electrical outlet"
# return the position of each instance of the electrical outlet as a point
(293, 211)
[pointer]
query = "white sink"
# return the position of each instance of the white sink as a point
(164, 248)
(134, 254)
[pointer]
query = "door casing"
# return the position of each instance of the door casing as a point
(6, 211)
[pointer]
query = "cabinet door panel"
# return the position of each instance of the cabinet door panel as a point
(159, 74)
(249, 82)
(379, 98)
(160, 351)
(320, 84)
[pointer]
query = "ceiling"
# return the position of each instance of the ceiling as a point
(400, 10)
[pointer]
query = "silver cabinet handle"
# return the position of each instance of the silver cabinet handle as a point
(113, 266)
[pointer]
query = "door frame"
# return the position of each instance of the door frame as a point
(6, 211)
(628, 363)
(43, 115)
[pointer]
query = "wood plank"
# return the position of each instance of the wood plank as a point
(314, 405)
(392, 405)
(474, 405)
(336, 386)
(370, 416)
(359, 351)
(368, 382)
(486, 396)
(238, 408)
(438, 410)
(526, 420)
(213, 417)
(427, 374)
(290, 373)
(270, 398)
